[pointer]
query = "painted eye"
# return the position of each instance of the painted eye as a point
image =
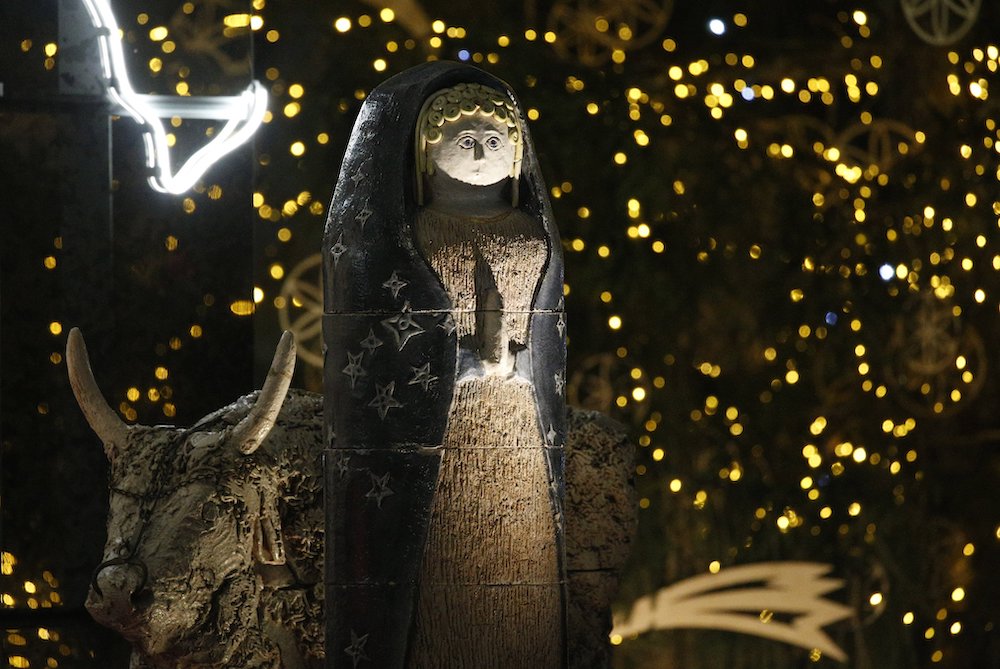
(494, 143)
(466, 142)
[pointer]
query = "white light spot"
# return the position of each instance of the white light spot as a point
(242, 113)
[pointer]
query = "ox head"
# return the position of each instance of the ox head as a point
(193, 518)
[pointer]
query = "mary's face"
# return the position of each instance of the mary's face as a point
(474, 149)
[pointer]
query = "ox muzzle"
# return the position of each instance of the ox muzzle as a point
(118, 593)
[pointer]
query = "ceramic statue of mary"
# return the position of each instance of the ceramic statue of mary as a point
(444, 367)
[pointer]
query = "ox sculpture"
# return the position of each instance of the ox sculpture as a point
(214, 555)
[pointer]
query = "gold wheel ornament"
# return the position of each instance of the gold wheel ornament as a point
(804, 133)
(938, 363)
(879, 143)
(874, 580)
(590, 30)
(204, 32)
(302, 312)
(941, 22)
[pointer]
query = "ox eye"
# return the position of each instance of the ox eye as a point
(209, 511)
(466, 142)
(494, 143)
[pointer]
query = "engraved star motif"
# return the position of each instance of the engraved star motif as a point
(402, 326)
(380, 488)
(560, 382)
(550, 436)
(338, 249)
(354, 368)
(422, 376)
(394, 284)
(554, 492)
(364, 215)
(356, 650)
(383, 400)
(448, 324)
(360, 175)
(371, 342)
(343, 464)
(561, 325)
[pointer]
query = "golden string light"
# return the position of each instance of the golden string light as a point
(723, 90)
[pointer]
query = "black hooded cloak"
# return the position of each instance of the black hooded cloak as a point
(390, 368)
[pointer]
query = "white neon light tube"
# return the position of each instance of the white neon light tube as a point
(242, 113)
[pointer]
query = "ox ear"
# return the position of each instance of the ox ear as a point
(254, 428)
(268, 547)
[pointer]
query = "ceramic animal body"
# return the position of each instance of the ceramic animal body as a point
(214, 554)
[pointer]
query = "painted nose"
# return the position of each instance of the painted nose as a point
(114, 597)
(477, 151)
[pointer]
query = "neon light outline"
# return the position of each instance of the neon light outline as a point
(243, 113)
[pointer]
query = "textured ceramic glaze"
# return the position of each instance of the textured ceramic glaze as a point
(214, 556)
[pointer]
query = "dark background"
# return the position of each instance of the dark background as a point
(747, 290)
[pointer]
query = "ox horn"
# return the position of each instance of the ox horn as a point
(253, 429)
(108, 426)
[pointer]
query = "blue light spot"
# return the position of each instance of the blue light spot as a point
(887, 271)
(463, 54)
(747, 93)
(717, 26)
(831, 318)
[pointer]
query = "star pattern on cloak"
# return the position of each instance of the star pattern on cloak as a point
(556, 496)
(560, 382)
(343, 464)
(402, 326)
(364, 215)
(338, 249)
(422, 376)
(550, 436)
(561, 325)
(359, 175)
(555, 491)
(383, 400)
(356, 650)
(380, 488)
(394, 284)
(354, 369)
(448, 324)
(371, 342)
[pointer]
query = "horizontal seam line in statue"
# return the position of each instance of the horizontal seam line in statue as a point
(421, 312)
(379, 585)
(405, 446)
(438, 447)
(442, 585)
(605, 570)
